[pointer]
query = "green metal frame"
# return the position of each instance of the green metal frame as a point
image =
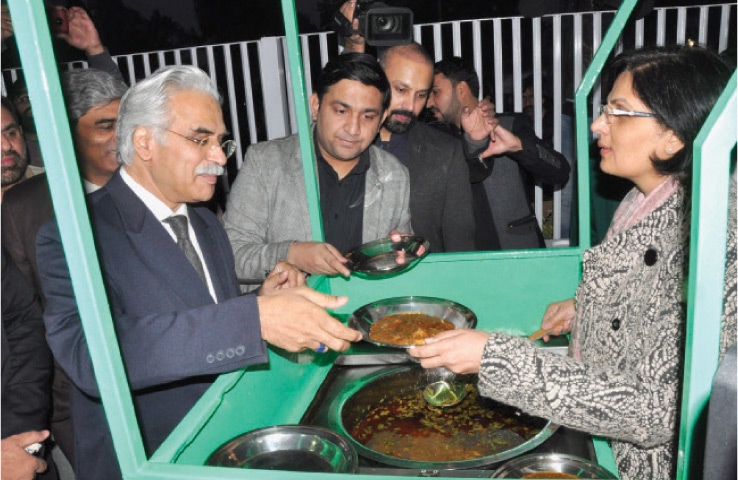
(713, 153)
(42, 78)
(302, 376)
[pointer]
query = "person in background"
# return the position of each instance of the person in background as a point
(26, 380)
(168, 270)
(79, 33)
(15, 166)
(504, 165)
(546, 114)
(364, 191)
(92, 98)
(622, 378)
(440, 195)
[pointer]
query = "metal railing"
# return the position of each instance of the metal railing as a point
(553, 50)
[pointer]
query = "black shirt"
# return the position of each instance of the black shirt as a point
(397, 146)
(342, 203)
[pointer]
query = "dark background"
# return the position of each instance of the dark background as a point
(132, 26)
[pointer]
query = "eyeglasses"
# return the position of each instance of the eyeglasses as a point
(616, 112)
(228, 147)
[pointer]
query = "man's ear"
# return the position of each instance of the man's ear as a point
(462, 90)
(143, 139)
(384, 117)
(314, 106)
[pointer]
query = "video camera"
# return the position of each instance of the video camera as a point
(379, 24)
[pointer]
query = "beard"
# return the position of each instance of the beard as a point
(11, 174)
(396, 126)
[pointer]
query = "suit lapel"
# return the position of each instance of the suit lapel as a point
(151, 242)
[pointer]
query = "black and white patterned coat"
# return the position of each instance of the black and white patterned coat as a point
(630, 329)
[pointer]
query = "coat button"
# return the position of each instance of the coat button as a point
(650, 257)
(615, 324)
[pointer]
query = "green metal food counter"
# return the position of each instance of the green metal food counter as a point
(507, 290)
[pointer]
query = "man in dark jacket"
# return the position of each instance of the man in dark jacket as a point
(26, 377)
(503, 166)
(440, 195)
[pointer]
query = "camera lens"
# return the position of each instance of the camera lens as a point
(385, 23)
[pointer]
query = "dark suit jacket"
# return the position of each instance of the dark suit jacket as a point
(173, 338)
(25, 208)
(27, 366)
(26, 360)
(501, 186)
(440, 194)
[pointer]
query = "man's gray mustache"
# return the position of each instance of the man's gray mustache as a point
(210, 169)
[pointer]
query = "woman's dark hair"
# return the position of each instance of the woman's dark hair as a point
(680, 84)
(359, 67)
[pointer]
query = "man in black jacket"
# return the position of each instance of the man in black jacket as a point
(503, 166)
(26, 377)
(440, 195)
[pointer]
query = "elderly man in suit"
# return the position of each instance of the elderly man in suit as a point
(169, 274)
(363, 191)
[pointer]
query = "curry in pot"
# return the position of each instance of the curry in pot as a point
(407, 427)
(550, 474)
(407, 328)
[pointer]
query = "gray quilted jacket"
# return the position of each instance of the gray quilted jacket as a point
(630, 328)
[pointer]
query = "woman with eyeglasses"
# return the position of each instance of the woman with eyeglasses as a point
(622, 378)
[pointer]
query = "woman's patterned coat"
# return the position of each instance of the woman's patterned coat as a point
(629, 332)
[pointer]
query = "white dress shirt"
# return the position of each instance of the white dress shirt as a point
(161, 211)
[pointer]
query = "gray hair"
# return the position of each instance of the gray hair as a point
(146, 104)
(84, 89)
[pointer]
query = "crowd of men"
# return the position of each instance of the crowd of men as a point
(175, 272)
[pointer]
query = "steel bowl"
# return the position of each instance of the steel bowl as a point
(377, 258)
(288, 447)
(539, 463)
(455, 313)
(352, 404)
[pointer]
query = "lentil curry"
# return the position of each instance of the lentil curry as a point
(407, 427)
(407, 328)
(550, 474)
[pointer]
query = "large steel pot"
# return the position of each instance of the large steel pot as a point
(351, 405)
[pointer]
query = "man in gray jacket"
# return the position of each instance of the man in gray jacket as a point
(364, 191)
